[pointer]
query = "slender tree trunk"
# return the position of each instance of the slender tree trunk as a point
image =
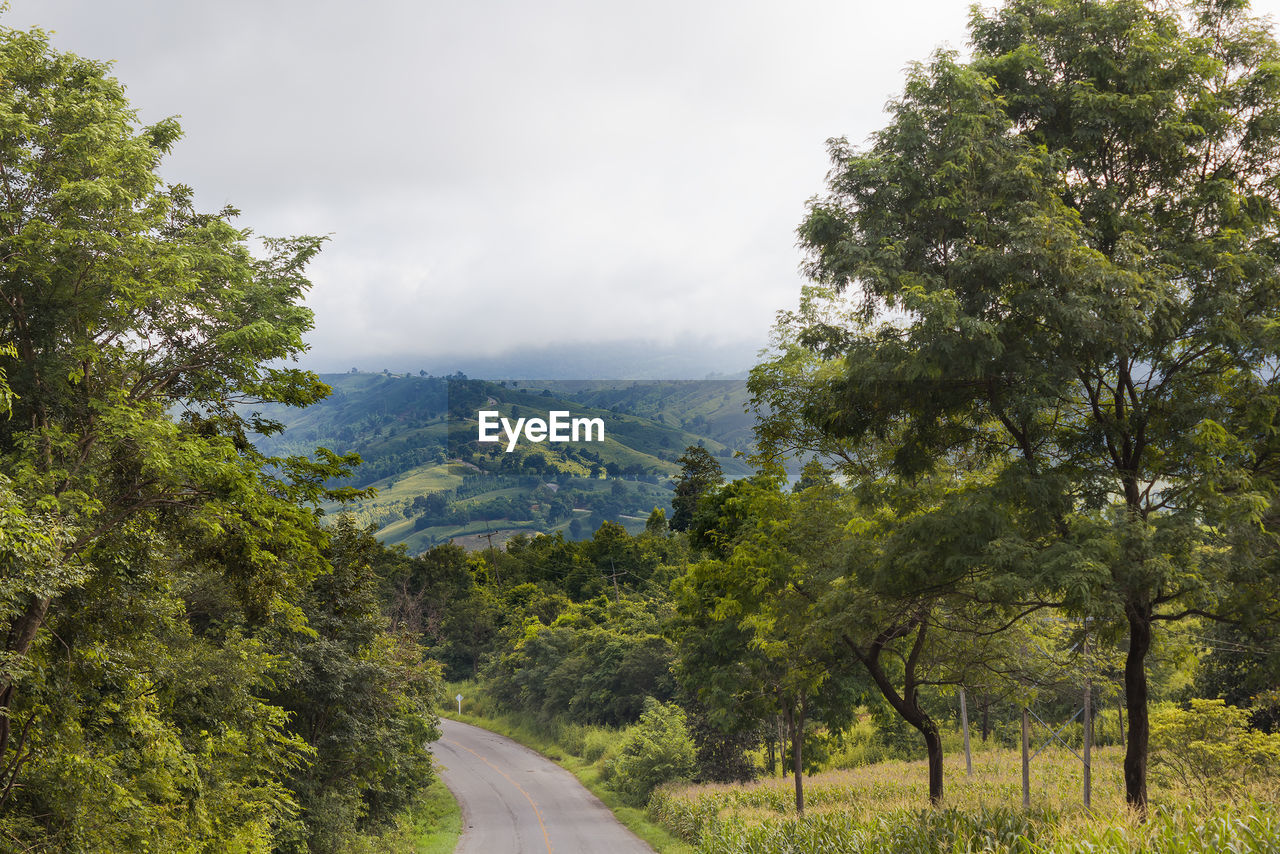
(782, 745)
(795, 728)
(21, 635)
(986, 717)
(907, 704)
(933, 744)
(1135, 696)
(797, 758)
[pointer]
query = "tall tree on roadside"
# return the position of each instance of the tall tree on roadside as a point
(1066, 249)
(137, 334)
(918, 600)
(361, 696)
(749, 623)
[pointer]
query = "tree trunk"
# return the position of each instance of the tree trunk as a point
(1135, 695)
(21, 635)
(986, 717)
(795, 726)
(782, 746)
(933, 744)
(907, 704)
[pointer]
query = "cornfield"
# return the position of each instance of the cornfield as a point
(881, 808)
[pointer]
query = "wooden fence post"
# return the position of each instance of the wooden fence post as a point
(1088, 731)
(1026, 759)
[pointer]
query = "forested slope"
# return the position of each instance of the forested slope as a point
(417, 439)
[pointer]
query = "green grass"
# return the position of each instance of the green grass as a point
(1234, 828)
(421, 480)
(431, 825)
(505, 492)
(394, 490)
(396, 531)
(438, 822)
(525, 731)
(635, 527)
(401, 531)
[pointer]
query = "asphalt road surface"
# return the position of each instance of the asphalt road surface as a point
(516, 802)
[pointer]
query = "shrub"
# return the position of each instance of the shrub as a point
(656, 750)
(1209, 750)
(859, 745)
(598, 742)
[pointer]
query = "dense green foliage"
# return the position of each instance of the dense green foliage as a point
(655, 751)
(1031, 397)
(699, 473)
(361, 696)
(1209, 750)
(596, 663)
(176, 623)
(1064, 254)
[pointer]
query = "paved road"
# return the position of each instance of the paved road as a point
(516, 802)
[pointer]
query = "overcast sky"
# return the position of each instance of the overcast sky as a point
(498, 174)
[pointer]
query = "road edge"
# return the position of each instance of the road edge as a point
(634, 819)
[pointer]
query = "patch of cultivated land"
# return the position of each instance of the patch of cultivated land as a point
(421, 481)
(884, 807)
(477, 542)
(394, 490)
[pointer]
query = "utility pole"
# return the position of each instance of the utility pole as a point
(489, 534)
(614, 576)
(964, 723)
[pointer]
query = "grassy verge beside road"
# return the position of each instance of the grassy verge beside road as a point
(437, 822)
(431, 825)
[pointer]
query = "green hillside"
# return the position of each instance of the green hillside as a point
(716, 409)
(435, 481)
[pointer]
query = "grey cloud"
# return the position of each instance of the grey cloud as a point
(501, 174)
